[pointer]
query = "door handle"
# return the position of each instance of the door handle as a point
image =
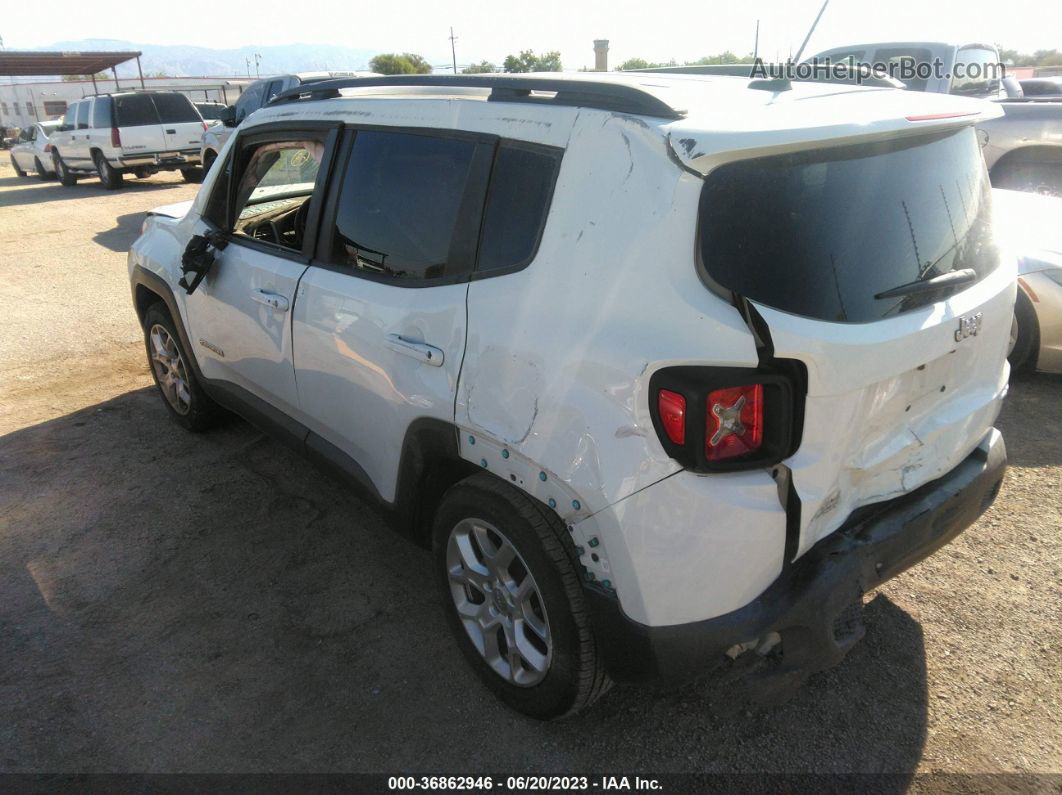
(272, 300)
(171, 132)
(421, 351)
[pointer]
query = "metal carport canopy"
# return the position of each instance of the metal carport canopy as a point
(40, 64)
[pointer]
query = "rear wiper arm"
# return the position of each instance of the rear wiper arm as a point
(964, 276)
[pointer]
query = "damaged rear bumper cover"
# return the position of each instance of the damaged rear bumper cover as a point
(810, 605)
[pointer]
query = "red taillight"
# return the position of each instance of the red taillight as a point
(734, 424)
(672, 407)
(116, 138)
(47, 147)
(205, 128)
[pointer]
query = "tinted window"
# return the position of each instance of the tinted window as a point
(175, 109)
(275, 87)
(249, 100)
(83, 109)
(820, 234)
(904, 65)
(209, 110)
(400, 204)
(101, 112)
(135, 110)
(521, 186)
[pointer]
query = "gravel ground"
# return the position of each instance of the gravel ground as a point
(180, 603)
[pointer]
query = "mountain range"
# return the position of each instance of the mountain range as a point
(184, 61)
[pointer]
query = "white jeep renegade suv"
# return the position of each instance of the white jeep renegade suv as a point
(667, 370)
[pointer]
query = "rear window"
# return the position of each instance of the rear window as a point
(175, 109)
(135, 110)
(820, 234)
(521, 186)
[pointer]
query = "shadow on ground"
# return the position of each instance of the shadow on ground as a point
(30, 190)
(179, 602)
(126, 230)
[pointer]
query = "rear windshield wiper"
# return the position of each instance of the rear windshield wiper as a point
(953, 278)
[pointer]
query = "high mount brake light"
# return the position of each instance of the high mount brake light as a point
(734, 422)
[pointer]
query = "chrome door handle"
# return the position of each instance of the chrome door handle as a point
(272, 300)
(421, 351)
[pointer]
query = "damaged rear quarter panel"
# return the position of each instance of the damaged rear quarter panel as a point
(559, 354)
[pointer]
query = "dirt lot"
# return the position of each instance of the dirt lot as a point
(171, 602)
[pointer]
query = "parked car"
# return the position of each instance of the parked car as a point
(1023, 148)
(33, 152)
(257, 95)
(667, 370)
(1028, 227)
(210, 111)
(111, 135)
(1050, 87)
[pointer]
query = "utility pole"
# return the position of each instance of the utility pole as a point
(756, 47)
(257, 60)
(248, 62)
(453, 50)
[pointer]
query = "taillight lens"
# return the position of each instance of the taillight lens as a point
(47, 147)
(734, 422)
(672, 407)
(116, 138)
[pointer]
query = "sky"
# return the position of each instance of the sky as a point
(489, 29)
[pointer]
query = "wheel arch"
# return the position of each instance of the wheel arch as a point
(1043, 155)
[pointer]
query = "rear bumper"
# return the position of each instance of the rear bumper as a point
(810, 604)
(187, 158)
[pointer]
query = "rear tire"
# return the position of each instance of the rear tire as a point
(67, 179)
(18, 171)
(39, 168)
(110, 177)
(175, 378)
(1025, 337)
(193, 175)
(536, 599)
(208, 161)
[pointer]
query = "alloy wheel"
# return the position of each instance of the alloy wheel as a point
(170, 369)
(498, 602)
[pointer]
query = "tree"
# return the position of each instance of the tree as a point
(481, 68)
(407, 63)
(76, 78)
(635, 63)
(527, 61)
(725, 57)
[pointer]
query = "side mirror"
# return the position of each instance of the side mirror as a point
(227, 116)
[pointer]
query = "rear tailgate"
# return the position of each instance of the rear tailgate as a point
(182, 126)
(901, 385)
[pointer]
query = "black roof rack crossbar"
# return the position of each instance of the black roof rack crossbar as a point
(600, 95)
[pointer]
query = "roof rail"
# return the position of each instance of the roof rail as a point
(597, 94)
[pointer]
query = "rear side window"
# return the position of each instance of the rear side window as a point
(175, 109)
(83, 109)
(101, 112)
(135, 110)
(521, 186)
(249, 100)
(820, 234)
(400, 204)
